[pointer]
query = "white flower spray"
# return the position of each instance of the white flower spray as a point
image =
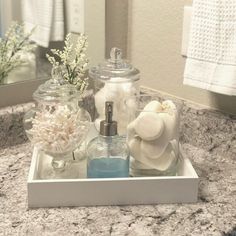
(73, 59)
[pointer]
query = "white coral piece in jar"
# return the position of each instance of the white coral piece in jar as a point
(57, 130)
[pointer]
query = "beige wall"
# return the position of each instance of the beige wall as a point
(116, 25)
(154, 46)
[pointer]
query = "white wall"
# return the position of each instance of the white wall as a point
(154, 46)
(9, 11)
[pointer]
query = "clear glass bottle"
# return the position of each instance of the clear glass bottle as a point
(114, 80)
(57, 125)
(153, 135)
(108, 154)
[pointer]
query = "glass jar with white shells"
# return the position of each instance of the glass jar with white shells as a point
(153, 135)
(57, 125)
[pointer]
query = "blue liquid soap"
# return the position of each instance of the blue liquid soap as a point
(108, 153)
(104, 167)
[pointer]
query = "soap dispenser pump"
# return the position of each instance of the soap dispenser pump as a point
(108, 127)
(108, 154)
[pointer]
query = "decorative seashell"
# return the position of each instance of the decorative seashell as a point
(149, 126)
(153, 106)
(162, 163)
(134, 164)
(154, 149)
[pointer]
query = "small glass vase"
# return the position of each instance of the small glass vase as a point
(153, 135)
(58, 126)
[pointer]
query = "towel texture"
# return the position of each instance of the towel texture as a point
(211, 57)
(47, 17)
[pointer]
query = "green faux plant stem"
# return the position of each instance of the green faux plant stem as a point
(15, 43)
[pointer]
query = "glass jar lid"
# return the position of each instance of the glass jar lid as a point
(55, 89)
(115, 67)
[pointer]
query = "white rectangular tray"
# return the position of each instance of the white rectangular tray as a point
(121, 191)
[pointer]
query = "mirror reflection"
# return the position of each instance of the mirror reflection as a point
(29, 29)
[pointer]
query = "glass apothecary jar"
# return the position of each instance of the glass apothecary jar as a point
(57, 125)
(114, 80)
(153, 135)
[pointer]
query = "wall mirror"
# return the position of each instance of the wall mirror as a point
(51, 21)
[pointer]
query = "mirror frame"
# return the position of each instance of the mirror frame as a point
(93, 24)
(17, 93)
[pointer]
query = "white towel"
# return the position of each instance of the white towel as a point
(211, 62)
(47, 17)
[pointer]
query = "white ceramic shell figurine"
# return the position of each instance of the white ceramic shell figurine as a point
(153, 135)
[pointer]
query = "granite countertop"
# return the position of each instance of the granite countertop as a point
(209, 140)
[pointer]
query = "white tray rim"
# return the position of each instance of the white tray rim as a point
(34, 163)
(110, 191)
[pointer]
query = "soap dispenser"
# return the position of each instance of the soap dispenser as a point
(108, 154)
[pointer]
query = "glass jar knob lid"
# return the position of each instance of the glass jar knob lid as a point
(115, 54)
(55, 88)
(115, 67)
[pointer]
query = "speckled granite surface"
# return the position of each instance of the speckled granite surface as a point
(208, 139)
(214, 214)
(11, 125)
